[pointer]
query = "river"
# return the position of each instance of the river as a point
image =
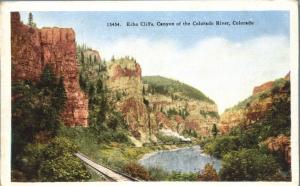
(186, 160)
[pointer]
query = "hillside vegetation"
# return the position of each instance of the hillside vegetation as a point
(244, 150)
(277, 85)
(162, 85)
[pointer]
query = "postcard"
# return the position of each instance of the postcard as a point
(174, 92)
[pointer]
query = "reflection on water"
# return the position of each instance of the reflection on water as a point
(189, 159)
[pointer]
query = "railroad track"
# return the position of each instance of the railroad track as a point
(110, 174)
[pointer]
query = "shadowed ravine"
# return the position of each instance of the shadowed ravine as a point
(186, 160)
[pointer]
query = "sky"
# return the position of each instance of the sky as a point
(224, 62)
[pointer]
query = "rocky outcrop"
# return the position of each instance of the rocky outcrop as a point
(33, 48)
(147, 114)
(262, 87)
(125, 79)
(230, 119)
(183, 113)
(125, 87)
(280, 144)
(26, 52)
(92, 55)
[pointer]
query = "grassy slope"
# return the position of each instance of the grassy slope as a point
(172, 86)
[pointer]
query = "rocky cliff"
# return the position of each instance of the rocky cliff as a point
(280, 144)
(125, 86)
(182, 114)
(92, 55)
(266, 115)
(148, 111)
(33, 48)
(254, 108)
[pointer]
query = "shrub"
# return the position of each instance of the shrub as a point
(136, 170)
(29, 161)
(221, 145)
(157, 174)
(59, 146)
(178, 176)
(36, 109)
(208, 174)
(64, 168)
(60, 164)
(248, 165)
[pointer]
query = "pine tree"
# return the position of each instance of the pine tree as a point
(214, 130)
(95, 59)
(82, 57)
(30, 19)
(90, 59)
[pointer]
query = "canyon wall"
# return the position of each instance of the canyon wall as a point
(33, 48)
(125, 86)
(148, 113)
(259, 108)
(254, 108)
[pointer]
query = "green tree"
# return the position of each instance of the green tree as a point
(222, 145)
(47, 77)
(90, 59)
(95, 59)
(82, 57)
(30, 20)
(214, 130)
(248, 165)
(60, 163)
(36, 111)
(82, 82)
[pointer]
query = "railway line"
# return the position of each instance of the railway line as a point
(110, 174)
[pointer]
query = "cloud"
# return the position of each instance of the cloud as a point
(224, 70)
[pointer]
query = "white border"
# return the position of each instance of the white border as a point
(7, 7)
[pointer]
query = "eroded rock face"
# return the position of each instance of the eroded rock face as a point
(229, 120)
(253, 112)
(25, 50)
(33, 48)
(261, 101)
(194, 120)
(146, 114)
(93, 54)
(125, 86)
(125, 79)
(280, 144)
(262, 87)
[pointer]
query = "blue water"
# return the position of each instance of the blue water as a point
(187, 160)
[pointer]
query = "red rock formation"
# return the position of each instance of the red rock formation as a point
(121, 72)
(192, 124)
(135, 113)
(162, 120)
(262, 87)
(25, 50)
(33, 48)
(280, 144)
